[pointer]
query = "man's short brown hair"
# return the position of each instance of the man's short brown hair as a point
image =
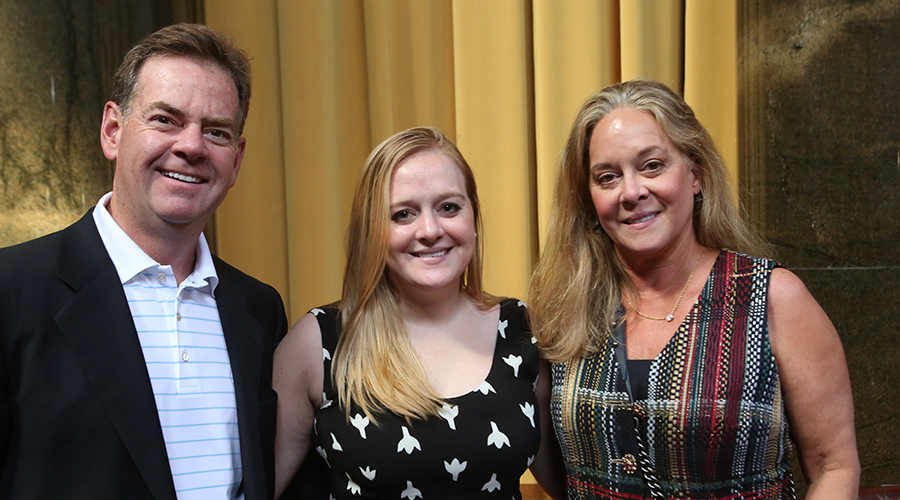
(187, 40)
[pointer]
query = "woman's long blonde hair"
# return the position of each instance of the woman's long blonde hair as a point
(576, 287)
(374, 364)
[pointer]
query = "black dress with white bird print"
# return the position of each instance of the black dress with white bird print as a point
(478, 448)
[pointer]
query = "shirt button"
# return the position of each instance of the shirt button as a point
(162, 277)
(178, 316)
(185, 356)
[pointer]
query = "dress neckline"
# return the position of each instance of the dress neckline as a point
(482, 388)
(720, 260)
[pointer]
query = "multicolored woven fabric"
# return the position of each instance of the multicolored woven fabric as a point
(713, 421)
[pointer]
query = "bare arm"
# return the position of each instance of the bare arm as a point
(298, 379)
(548, 467)
(816, 387)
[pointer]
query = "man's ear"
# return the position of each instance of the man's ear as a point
(110, 129)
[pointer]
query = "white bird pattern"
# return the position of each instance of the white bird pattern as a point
(408, 443)
(449, 413)
(324, 455)
(352, 486)
(513, 361)
(360, 422)
(485, 388)
(455, 467)
(411, 492)
(491, 485)
(496, 437)
(368, 473)
(528, 410)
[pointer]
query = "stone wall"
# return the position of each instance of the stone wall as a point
(820, 168)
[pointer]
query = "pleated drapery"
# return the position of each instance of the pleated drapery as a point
(503, 78)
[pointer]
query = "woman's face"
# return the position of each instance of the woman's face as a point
(432, 235)
(641, 186)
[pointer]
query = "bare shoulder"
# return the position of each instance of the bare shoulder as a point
(785, 286)
(298, 364)
(305, 334)
(795, 317)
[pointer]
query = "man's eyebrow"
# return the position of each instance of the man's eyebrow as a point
(218, 122)
(168, 108)
(229, 123)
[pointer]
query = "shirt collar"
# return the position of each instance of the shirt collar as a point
(130, 260)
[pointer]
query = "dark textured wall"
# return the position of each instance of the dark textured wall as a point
(820, 169)
(56, 61)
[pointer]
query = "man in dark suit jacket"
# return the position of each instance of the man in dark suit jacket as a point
(80, 409)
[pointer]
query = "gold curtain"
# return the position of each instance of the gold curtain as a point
(333, 78)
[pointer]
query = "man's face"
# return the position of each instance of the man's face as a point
(178, 152)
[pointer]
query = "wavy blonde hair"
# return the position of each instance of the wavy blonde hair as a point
(576, 287)
(374, 364)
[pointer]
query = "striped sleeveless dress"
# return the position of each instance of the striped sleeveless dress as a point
(712, 422)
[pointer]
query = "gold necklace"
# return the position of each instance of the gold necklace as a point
(671, 315)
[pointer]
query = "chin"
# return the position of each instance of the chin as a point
(433, 286)
(436, 285)
(181, 218)
(640, 250)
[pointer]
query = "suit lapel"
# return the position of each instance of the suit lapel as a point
(242, 337)
(98, 326)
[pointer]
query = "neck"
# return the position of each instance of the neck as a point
(169, 244)
(179, 253)
(663, 275)
(432, 307)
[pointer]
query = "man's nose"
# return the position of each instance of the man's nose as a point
(191, 144)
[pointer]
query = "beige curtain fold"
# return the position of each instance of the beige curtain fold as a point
(409, 48)
(576, 53)
(710, 73)
(326, 138)
(333, 78)
(652, 42)
(495, 132)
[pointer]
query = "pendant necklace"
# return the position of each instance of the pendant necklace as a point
(669, 317)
